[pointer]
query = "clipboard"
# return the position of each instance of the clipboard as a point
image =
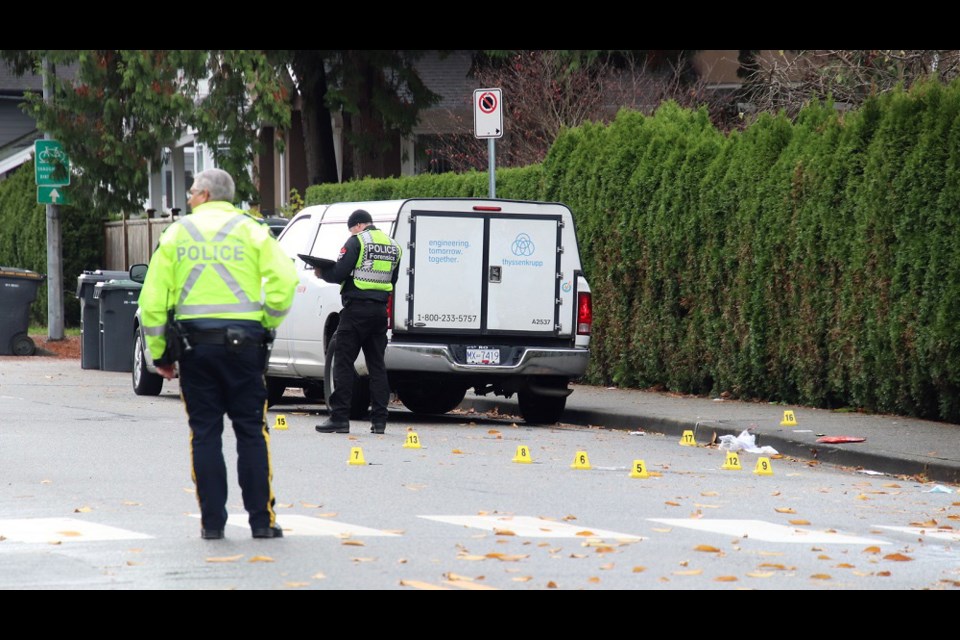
(315, 262)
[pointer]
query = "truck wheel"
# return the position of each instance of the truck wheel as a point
(360, 398)
(145, 383)
(432, 398)
(275, 390)
(313, 391)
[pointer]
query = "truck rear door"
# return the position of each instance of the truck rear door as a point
(483, 273)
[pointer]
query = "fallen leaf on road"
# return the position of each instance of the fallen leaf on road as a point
(688, 572)
(726, 579)
(845, 565)
(359, 559)
(503, 532)
(639, 569)
(416, 584)
(593, 580)
(821, 576)
(453, 577)
(551, 585)
(672, 503)
(260, 559)
(709, 493)
(568, 518)
(82, 510)
(586, 533)
(506, 558)
(706, 547)
(296, 584)
(328, 514)
(928, 523)
(307, 505)
(873, 549)
(760, 574)
(799, 522)
(784, 510)
(522, 578)
(456, 451)
(225, 558)
(771, 565)
(352, 543)
(898, 557)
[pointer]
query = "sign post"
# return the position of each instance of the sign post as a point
(488, 123)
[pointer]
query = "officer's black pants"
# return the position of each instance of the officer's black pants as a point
(217, 380)
(363, 325)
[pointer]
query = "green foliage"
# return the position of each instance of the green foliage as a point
(293, 206)
(124, 106)
(23, 241)
(810, 261)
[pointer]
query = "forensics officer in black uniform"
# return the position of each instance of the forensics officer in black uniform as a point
(367, 272)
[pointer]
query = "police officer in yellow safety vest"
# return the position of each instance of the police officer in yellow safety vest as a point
(230, 285)
(367, 269)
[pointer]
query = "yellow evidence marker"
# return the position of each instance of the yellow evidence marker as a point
(356, 456)
(763, 467)
(412, 441)
(732, 461)
(687, 439)
(580, 461)
(280, 424)
(639, 469)
(523, 455)
(789, 420)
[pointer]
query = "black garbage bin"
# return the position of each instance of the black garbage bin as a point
(18, 289)
(90, 314)
(118, 306)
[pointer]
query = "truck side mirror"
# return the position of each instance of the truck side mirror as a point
(138, 273)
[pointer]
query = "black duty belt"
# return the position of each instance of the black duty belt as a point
(219, 336)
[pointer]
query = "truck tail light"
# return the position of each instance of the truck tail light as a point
(584, 313)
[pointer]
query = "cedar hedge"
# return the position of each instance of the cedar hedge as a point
(809, 262)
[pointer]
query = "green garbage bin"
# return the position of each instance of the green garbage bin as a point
(118, 300)
(90, 314)
(18, 290)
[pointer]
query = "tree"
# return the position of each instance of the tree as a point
(789, 79)
(121, 108)
(546, 91)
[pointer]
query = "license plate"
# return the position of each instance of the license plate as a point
(483, 356)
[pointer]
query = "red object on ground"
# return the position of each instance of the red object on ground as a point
(840, 439)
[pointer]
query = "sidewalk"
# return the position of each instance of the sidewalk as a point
(892, 445)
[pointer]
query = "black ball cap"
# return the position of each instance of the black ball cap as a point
(357, 217)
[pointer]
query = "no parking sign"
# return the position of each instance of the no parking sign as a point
(487, 113)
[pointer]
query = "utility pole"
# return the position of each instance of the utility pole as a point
(54, 247)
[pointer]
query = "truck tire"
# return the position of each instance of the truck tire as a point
(431, 399)
(537, 409)
(360, 398)
(145, 383)
(275, 390)
(313, 391)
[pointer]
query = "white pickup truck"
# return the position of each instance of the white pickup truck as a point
(491, 296)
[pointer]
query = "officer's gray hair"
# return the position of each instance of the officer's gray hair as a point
(217, 183)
